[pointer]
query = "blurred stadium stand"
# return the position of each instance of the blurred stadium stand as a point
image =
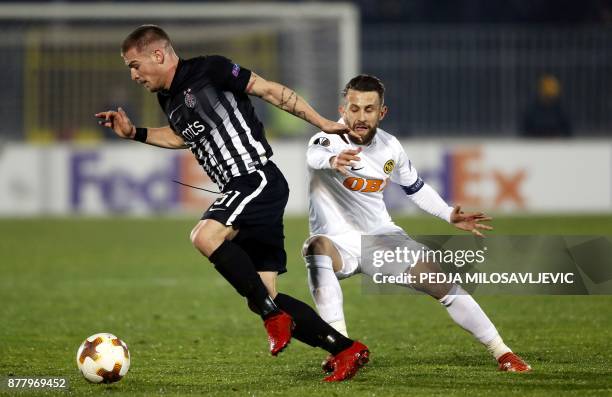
(452, 68)
(478, 80)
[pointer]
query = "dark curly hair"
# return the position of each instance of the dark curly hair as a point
(365, 82)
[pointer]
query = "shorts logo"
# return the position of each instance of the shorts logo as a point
(389, 165)
(322, 141)
(235, 70)
(190, 99)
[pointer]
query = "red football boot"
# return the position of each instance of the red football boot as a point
(328, 365)
(279, 327)
(510, 362)
(347, 362)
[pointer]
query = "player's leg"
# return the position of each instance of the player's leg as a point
(262, 238)
(308, 325)
(461, 307)
(268, 254)
(213, 240)
(468, 314)
(346, 355)
(213, 236)
(322, 262)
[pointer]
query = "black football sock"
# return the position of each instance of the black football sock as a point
(236, 267)
(310, 328)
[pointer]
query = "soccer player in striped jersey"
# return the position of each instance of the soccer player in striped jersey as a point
(346, 182)
(206, 101)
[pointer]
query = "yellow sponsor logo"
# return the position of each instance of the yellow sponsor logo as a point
(389, 165)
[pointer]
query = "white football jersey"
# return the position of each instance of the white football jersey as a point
(338, 203)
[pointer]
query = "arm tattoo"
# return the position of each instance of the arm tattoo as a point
(284, 103)
(289, 103)
(294, 104)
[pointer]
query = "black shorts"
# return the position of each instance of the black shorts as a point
(255, 205)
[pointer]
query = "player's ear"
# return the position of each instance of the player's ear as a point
(341, 110)
(159, 56)
(383, 111)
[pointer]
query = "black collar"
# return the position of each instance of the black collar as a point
(179, 77)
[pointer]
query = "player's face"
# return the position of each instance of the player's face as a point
(362, 111)
(146, 68)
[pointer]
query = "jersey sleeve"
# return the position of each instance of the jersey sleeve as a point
(320, 150)
(423, 195)
(430, 201)
(227, 75)
(404, 173)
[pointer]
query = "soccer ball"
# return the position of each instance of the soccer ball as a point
(103, 358)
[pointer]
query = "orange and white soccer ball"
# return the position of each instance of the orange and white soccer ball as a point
(103, 358)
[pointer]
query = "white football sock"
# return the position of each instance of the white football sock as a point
(464, 310)
(497, 347)
(325, 290)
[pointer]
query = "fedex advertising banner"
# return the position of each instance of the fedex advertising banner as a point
(514, 176)
(122, 180)
(129, 178)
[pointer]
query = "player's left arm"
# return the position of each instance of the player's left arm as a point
(288, 100)
(426, 198)
(470, 221)
(230, 76)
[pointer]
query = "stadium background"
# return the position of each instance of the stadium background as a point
(93, 231)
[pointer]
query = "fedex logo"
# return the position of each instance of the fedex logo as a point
(116, 189)
(467, 178)
(102, 182)
(478, 178)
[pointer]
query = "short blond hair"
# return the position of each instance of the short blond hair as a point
(143, 36)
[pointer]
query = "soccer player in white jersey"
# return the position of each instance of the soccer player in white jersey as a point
(346, 182)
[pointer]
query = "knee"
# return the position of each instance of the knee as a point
(204, 240)
(435, 290)
(317, 245)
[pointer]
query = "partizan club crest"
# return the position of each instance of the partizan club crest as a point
(190, 99)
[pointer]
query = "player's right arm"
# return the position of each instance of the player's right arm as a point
(345, 159)
(322, 155)
(119, 122)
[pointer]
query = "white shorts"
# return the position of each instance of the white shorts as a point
(349, 246)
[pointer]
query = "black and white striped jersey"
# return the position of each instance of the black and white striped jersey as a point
(208, 107)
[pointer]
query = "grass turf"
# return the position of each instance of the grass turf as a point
(189, 333)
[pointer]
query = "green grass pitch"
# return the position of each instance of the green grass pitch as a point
(189, 333)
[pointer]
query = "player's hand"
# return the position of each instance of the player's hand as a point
(344, 159)
(331, 127)
(117, 121)
(470, 221)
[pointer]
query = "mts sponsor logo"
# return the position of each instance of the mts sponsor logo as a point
(102, 181)
(468, 177)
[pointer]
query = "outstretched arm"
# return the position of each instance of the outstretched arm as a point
(286, 99)
(470, 221)
(119, 122)
(426, 198)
